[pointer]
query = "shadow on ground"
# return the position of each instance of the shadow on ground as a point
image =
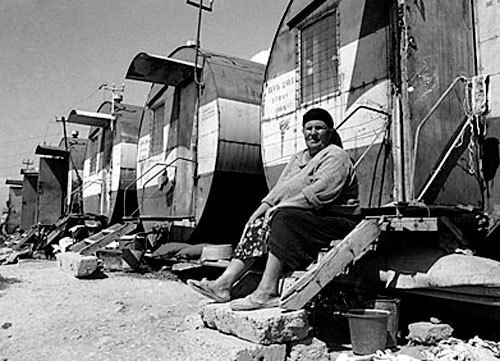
(6, 282)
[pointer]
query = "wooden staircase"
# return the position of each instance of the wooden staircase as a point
(354, 246)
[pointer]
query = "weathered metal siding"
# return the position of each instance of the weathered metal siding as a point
(15, 205)
(52, 185)
(363, 83)
(29, 206)
(440, 48)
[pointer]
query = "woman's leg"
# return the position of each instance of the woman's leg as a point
(268, 285)
(223, 284)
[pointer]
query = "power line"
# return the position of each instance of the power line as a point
(27, 139)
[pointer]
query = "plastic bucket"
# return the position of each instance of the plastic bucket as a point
(368, 330)
(391, 305)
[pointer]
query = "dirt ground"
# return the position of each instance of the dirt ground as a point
(49, 315)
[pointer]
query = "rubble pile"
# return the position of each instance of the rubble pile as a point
(454, 349)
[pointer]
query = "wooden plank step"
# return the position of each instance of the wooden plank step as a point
(354, 246)
(106, 238)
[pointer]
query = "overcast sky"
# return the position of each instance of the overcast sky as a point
(54, 54)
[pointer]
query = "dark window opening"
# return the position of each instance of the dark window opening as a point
(157, 124)
(94, 150)
(318, 58)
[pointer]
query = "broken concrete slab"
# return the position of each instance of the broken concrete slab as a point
(266, 326)
(309, 349)
(76, 264)
(429, 333)
(206, 344)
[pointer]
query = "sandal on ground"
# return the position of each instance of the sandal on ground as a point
(249, 303)
(203, 287)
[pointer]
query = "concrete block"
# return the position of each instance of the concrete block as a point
(266, 326)
(76, 264)
(206, 344)
(429, 333)
(309, 349)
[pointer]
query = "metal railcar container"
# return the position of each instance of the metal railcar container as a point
(110, 159)
(57, 168)
(199, 166)
(30, 195)
(379, 67)
(14, 205)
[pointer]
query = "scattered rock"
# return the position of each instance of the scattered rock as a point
(266, 326)
(191, 322)
(6, 325)
(429, 333)
(309, 349)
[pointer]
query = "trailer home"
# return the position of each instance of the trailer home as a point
(110, 159)
(380, 68)
(14, 205)
(199, 166)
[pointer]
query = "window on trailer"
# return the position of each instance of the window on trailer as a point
(318, 57)
(94, 149)
(157, 123)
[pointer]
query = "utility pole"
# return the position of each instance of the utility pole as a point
(202, 6)
(65, 133)
(27, 162)
(116, 95)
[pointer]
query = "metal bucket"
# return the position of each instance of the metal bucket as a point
(391, 305)
(368, 330)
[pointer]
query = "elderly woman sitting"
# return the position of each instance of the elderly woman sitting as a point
(313, 202)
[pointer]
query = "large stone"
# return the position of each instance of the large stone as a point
(429, 333)
(309, 349)
(266, 326)
(76, 264)
(206, 344)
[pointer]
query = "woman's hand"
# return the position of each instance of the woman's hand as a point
(269, 212)
(259, 212)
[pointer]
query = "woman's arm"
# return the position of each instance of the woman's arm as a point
(259, 212)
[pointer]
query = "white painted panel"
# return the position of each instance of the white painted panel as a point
(148, 170)
(92, 185)
(488, 15)
(116, 167)
(278, 96)
(208, 137)
(128, 155)
(143, 148)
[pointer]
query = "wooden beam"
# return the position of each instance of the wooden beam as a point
(354, 246)
(414, 224)
(106, 236)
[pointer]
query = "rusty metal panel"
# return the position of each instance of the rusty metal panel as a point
(440, 48)
(29, 202)
(52, 185)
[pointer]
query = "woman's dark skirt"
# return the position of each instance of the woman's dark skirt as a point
(295, 236)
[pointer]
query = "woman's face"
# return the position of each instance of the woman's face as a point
(317, 135)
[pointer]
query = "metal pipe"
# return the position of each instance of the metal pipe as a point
(166, 165)
(359, 108)
(441, 164)
(360, 159)
(422, 122)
